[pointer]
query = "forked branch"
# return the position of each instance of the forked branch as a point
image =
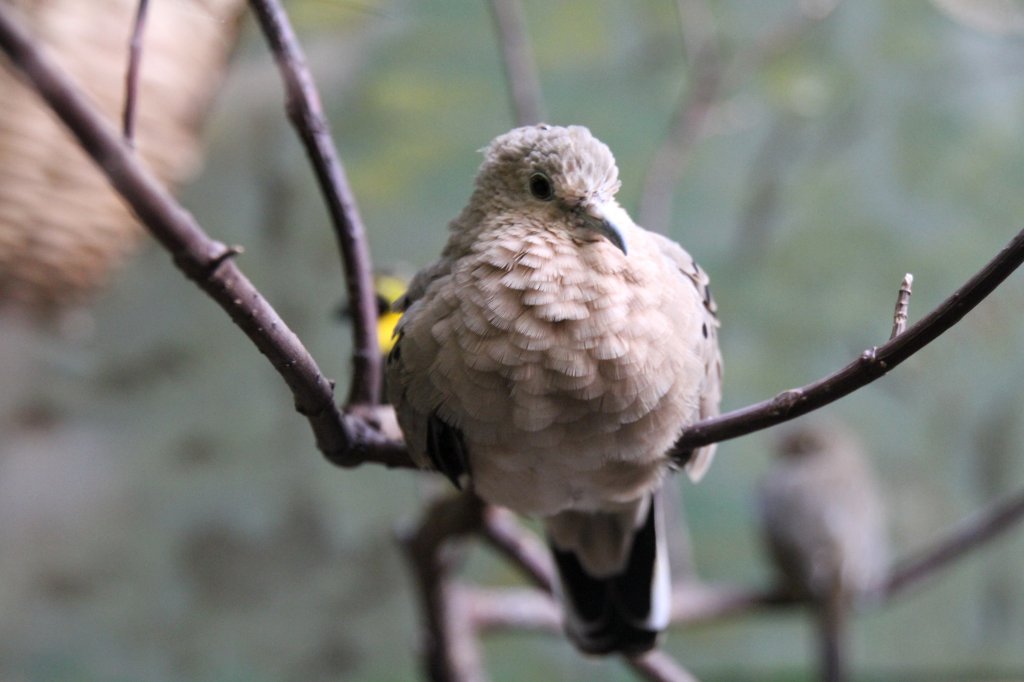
(346, 440)
(307, 116)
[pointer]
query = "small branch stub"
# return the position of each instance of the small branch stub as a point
(899, 317)
(131, 90)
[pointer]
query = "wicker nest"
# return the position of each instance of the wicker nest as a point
(62, 228)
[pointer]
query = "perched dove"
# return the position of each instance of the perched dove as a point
(823, 523)
(550, 359)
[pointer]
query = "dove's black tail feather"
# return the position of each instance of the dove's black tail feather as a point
(624, 613)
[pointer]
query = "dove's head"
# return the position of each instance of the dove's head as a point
(563, 178)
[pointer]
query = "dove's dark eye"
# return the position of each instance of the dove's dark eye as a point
(540, 187)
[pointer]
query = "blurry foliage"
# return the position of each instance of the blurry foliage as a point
(219, 545)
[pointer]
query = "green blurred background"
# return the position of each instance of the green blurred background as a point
(171, 519)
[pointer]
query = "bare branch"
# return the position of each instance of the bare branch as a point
(658, 666)
(899, 317)
(454, 614)
(528, 610)
(514, 608)
(700, 603)
(966, 536)
(504, 533)
(450, 652)
(520, 68)
(486, 610)
(346, 440)
(131, 87)
(695, 603)
(872, 364)
(306, 114)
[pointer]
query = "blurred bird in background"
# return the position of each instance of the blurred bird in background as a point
(550, 359)
(63, 230)
(822, 520)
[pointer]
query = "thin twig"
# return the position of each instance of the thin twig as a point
(872, 364)
(344, 439)
(899, 316)
(131, 86)
(517, 57)
(306, 114)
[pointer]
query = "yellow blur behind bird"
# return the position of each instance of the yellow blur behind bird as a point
(389, 288)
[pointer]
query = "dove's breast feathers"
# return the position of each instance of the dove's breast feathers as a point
(559, 358)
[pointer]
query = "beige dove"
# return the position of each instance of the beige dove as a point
(549, 360)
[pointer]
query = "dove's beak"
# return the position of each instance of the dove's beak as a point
(608, 220)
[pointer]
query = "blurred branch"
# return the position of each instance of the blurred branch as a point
(832, 615)
(517, 57)
(961, 540)
(306, 114)
(131, 88)
(658, 666)
(695, 603)
(702, 603)
(765, 179)
(697, 27)
(346, 440)
(514, 608)
(502, 532)
(670, 159)
(780, 38)
(709, 76)
(449, 648)
(872, 363)
(455, 615)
